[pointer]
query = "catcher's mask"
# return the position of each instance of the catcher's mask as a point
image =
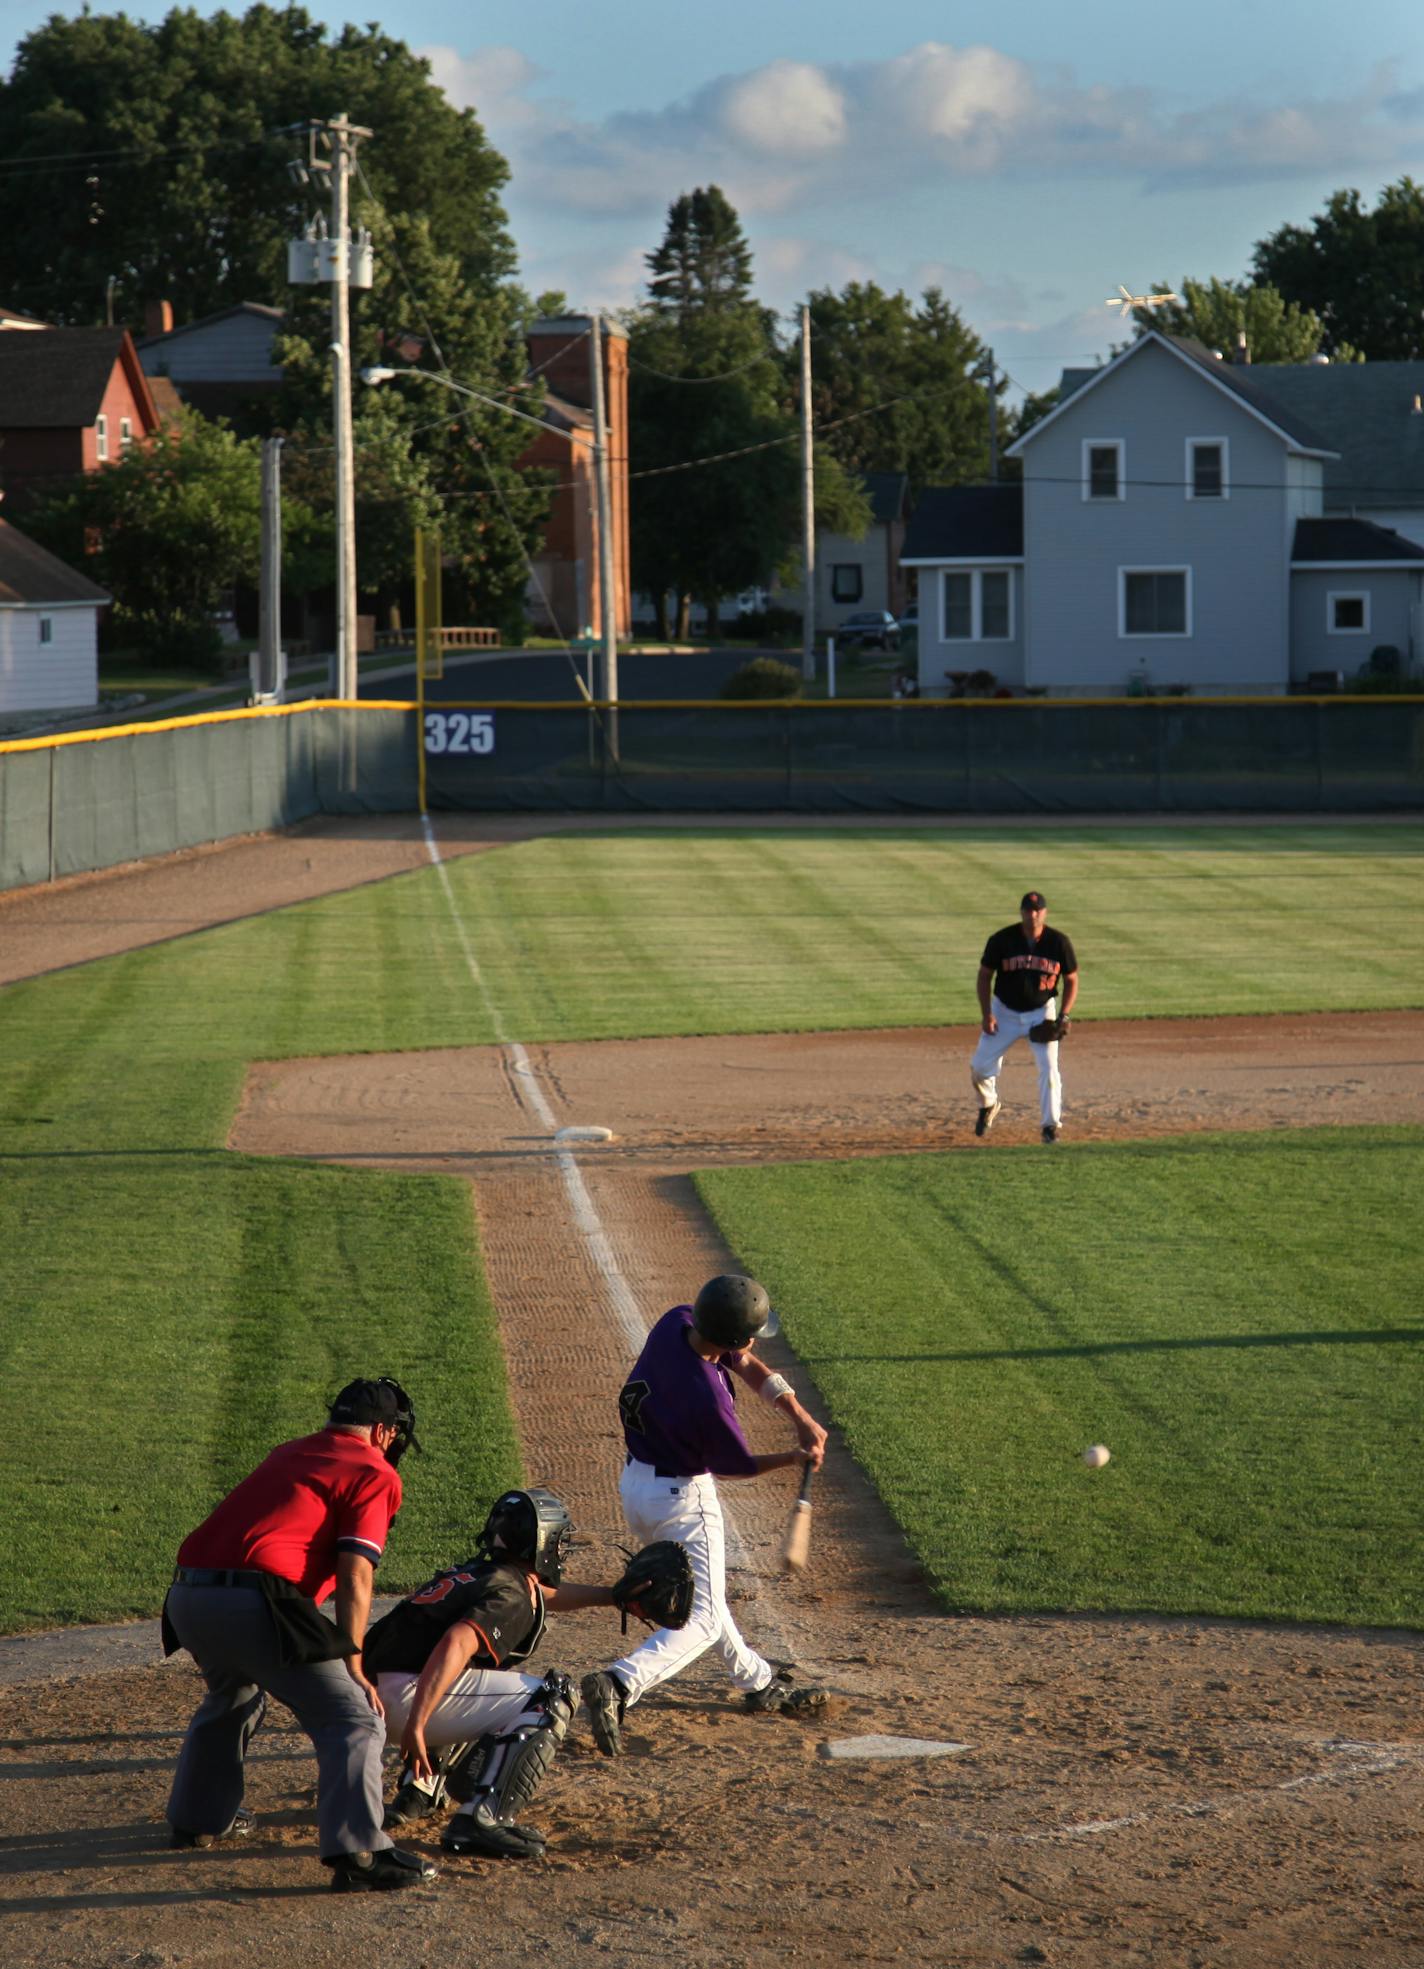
(532, 1527)
(731, 1310)
(383, 1401)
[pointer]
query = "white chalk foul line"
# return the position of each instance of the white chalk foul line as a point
(1357, 1760)
(631, 1322)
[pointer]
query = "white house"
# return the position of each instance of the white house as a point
(1182, 525)
(49, 629)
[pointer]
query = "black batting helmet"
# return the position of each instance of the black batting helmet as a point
(534, 1528)
(731, 1310)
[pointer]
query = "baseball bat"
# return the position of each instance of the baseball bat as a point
(796, 1547)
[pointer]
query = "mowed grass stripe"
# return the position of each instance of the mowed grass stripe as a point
(1238, 1318)
(118, 1082)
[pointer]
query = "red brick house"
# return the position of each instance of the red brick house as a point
(565, 598)
(71, 399)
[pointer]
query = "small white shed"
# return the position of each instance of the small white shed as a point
(49, 629)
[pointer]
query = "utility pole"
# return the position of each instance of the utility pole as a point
(808, 508)
(269, 680)
(343, 141)
(608, 600)
(986, 372)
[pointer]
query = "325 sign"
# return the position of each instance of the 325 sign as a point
(461, 733)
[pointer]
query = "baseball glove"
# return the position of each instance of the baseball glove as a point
(1047, 1029)
(656, 1586)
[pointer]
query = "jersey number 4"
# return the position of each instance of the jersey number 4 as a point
(630, 1404)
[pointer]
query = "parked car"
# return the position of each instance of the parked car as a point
(873, 628)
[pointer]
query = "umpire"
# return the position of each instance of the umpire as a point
(244, 1603)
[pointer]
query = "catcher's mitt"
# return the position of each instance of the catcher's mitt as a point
(1047, 1029)
(656, 1586)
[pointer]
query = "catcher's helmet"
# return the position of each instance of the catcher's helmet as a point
(532, 1527)
(731, 1310)
(383, 1401)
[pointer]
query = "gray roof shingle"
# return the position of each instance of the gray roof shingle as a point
(1351, 540)
(56, 378)
(1366, 411)
(966, 522)
(31, 575)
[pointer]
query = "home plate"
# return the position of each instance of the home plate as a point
(584, 1135)
(891, 1747)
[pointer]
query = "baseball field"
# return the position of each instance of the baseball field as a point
(239, 1164)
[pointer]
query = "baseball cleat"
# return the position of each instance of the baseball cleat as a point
(415, 1800)
(378, 1873)
(479, 1831)
(1050, 1136)
(241, 1826)
(779, 1698)
(987, 1117)
(605, 1711)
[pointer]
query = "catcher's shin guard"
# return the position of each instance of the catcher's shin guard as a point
(510, 1770)
(417, 1798)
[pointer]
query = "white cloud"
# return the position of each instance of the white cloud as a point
(789, 109)
(796, 135)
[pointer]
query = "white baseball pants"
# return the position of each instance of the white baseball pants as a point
(480, 1702)
(988, 1060)
(688, 1510)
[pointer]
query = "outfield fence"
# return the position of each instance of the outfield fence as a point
(89, 800)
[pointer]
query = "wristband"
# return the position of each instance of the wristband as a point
(773, 1388)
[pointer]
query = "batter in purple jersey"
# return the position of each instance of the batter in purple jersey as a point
(680, 1428)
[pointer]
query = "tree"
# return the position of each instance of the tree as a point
(706, 380)
(167, 530)
(894, 386)
(157, 156)
(1218, 313)
(704, 264)
(1362, 272)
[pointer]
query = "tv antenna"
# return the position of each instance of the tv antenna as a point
(1125, 302)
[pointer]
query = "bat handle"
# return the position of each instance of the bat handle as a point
(804, 1492)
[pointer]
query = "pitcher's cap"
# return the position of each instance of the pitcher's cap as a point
(1033, 900)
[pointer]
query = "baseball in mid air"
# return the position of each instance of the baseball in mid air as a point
(1097, 1456)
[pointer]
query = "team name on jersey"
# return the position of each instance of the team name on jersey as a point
(1048, 965)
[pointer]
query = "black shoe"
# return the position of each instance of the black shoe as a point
(378, 1873)
(987, 1117)
(415, 1801)
(478, 1831)
(606, 1703)
(1050, 1136)
(241, 1826)
(780, 1698)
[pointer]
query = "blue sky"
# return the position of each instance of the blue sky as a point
(1024, 158)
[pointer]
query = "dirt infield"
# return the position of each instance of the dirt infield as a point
(1174, 1792)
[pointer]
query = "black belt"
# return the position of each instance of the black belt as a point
(219, 1576)
(673, 1476)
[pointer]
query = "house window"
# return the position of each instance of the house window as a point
(1348, 615)
(1154, 601)
(125, 433)
(46, 630)
(101, 438)
(1206, 468)
(1103, 473)
(847, 584)
(978, 606)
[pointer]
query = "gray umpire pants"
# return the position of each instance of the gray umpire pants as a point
(228, 1631)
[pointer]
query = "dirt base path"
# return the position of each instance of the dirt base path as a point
(1077, 1791)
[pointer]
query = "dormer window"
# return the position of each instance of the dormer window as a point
(1104, 476)
(101, 438)
(1206, 468)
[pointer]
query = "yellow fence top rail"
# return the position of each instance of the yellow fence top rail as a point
(93, 733)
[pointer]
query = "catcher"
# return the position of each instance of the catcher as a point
(445, 1660)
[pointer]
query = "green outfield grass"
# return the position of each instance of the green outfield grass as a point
(1237, 1317)
(134, 1248)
